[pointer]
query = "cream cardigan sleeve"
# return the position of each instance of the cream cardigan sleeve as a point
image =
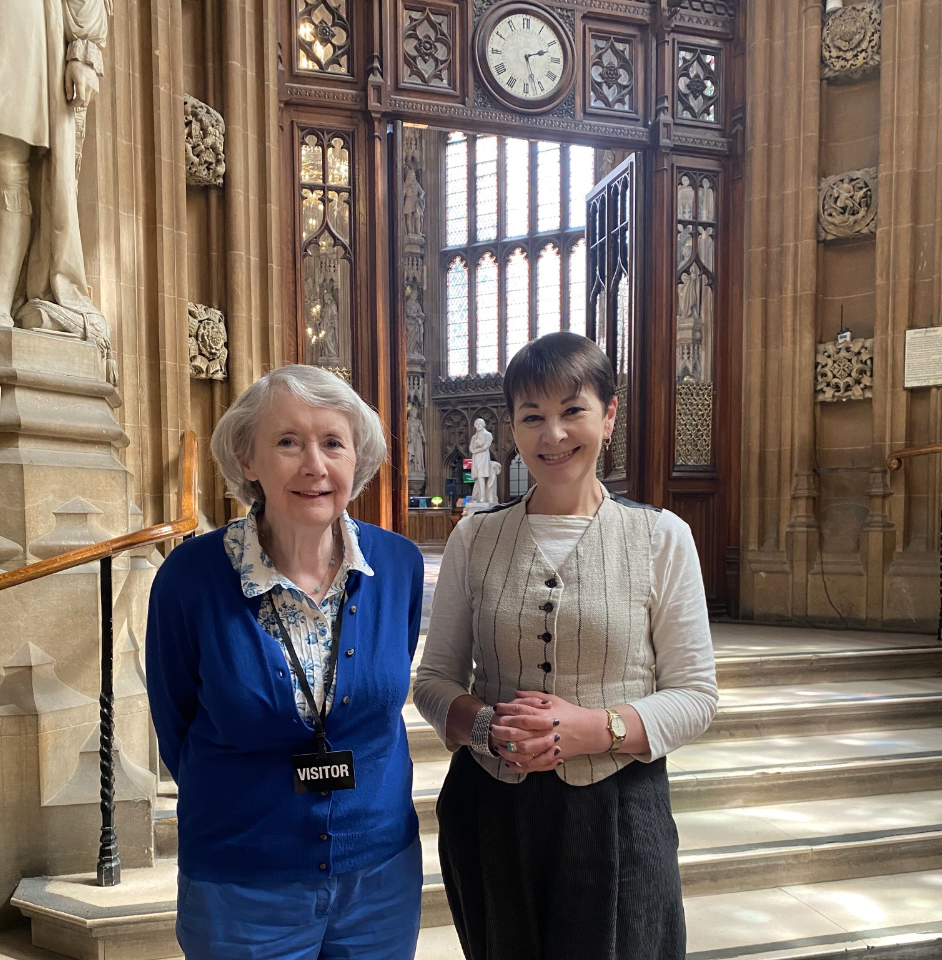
(446, 668)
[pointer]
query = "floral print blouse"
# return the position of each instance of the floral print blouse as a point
(309, 622)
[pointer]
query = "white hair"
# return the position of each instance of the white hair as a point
(234, 437)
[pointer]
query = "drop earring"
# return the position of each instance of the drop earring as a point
(608, 443)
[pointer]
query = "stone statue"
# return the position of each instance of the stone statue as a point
(413, 203)
(328, 324)
(685, 196)
(480, 448)
(688, 295)
(415, 326)
(416, 442)
(50, 65)
(490, 494)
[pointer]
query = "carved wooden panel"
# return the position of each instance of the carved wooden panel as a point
(614, 64)
(697, 83)
(324, 37)
(429, 48)
(699, 511)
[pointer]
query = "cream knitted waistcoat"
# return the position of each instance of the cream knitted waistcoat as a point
(580, 631)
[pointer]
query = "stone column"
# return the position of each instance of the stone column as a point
(782, 138)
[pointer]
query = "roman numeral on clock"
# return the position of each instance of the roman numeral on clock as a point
(555, 60)
(512, 82)
(526, 23)
(500, 68)
(496, 52)
(512, 25)
(552, 43)
(551, 76)
(526, 89)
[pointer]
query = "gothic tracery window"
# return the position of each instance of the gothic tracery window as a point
(514, 249)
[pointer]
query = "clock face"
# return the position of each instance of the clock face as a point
(525, 55)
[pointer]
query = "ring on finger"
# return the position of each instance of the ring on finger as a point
(511, 746)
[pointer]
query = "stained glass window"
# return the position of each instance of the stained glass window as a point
(517, 175)
(514, 209)
(456, 311)
(518, 302)
(581, 182)
(485, 172)
(486, 299)
(577, 287)
(519, 477)
(548, 312)
(547, 187)
(456, 190)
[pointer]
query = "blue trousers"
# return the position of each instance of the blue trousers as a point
(370, 914)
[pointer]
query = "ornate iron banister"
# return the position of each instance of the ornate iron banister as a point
(894, 462)
(109, 863)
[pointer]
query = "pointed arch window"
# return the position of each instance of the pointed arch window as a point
(514, 255)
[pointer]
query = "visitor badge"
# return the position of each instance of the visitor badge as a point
(321, 772)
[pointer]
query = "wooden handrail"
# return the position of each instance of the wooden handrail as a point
(895, 460)
(186, 523)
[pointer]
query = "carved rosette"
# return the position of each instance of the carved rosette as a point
(205, 138)
(324, 37)
(207, 342)
(850, 41)
(847, 205)
(844, 371)
(611, 74)
(427, 48)
(698, 86)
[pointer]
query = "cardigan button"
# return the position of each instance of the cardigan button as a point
(353, 609)
(545, 637)
(552, 582)
(547, 606)
(546, 666)
(350, 652)
(323, 836)
(345, 700)
(325, 793)
(323, 866)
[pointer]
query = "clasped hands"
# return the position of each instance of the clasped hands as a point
(547, 730)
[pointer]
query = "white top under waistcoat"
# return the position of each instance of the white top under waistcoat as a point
(582, 630)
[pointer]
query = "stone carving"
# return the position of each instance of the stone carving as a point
(850, 41)
(324, 37)
(413, 204)
(490, 488)
(205, 138)
(471, 384)
(415, 325)
(48, 75)
(427, 48)
(207, 342)
(77, 525)
(611, 74)
(698, 90)
(480, 449)
(844, 371)
(693, 424)
(455, 431)
(607, 163)
(416, 444)
(847, 205)
(11, 555)
(30, 684)
(328, 324)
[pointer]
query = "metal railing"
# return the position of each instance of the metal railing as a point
(895, 462)
(109, 863)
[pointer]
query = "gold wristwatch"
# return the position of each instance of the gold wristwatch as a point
(617, 728)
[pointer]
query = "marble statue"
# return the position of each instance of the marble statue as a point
(415, 326)
(329, 326)
(413, 203)
(480, 449)
(50, 65)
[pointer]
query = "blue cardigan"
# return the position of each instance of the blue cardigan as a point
(227, 725)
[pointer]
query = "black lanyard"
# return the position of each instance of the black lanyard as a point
(319, 716)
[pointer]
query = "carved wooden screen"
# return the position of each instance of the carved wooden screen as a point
(612, 296)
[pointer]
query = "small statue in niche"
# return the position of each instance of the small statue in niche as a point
(330, 347)
(707, 198)
(480, 449)
(415, 325)
(50, 65)
(688, 295)
(415, 442)
(685, 199)
(413, 204)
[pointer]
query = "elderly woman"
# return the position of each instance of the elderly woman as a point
(568, 652)
(278, 660)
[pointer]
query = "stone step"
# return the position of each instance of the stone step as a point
(751, 848)
(881, 917)
(889, 917)
(785, 710)
(887, 663)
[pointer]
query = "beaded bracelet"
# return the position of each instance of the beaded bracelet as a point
(481, 730)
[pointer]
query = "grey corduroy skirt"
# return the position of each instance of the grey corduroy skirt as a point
(542, 870)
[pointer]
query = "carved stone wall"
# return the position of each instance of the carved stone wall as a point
(844, 370)
(208, 341)
(205, 140)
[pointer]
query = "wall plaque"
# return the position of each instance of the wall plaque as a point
(923, 366)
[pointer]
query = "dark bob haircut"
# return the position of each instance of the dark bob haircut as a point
(558, 362)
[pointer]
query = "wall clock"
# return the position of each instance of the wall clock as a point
(524, 56)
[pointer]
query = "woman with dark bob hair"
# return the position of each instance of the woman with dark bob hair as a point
(278, 657)
(568, 652)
